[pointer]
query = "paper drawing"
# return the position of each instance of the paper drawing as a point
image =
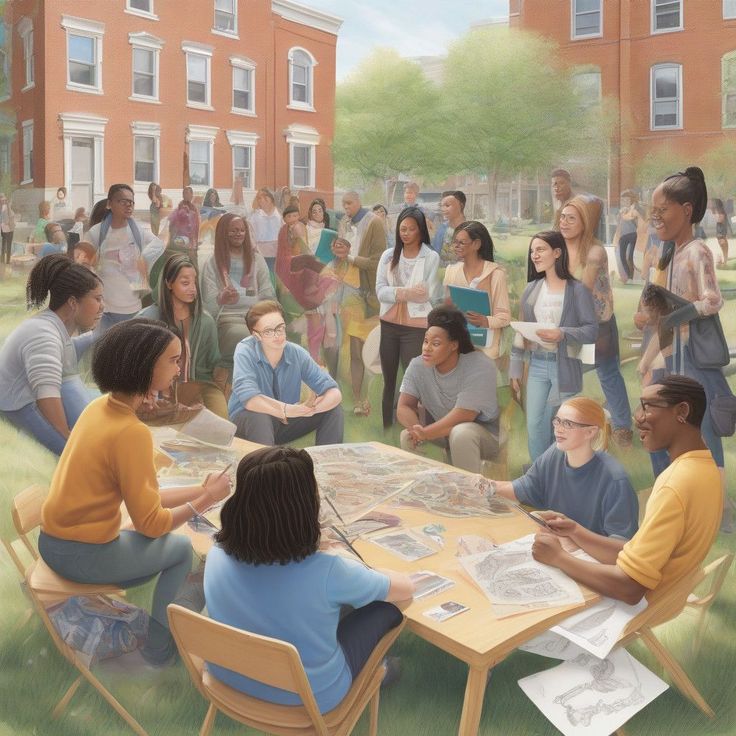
(552, 645)
(587, 696)
(405, 544)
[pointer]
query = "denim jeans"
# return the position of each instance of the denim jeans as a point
(267, 430)
(543, 398)
(614, 389)
(109, 319)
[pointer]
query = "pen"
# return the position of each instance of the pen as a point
(352, 549)
(539, 521)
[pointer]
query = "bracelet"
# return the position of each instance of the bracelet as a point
(285, 420)
(191, 506)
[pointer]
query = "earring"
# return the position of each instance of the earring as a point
(681, 419)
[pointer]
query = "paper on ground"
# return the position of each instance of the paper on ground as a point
(552, 645)
(509, 575)
(597, 629)
(528, 330)
(587, 696)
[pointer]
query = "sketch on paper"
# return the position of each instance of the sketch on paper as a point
(473, 544)
(587, 695)
(429, 583)
(405, 544)
(450, 493)
(509, 575)
(597, 629)
(552, 645)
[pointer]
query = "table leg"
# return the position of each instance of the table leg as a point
(475, 689)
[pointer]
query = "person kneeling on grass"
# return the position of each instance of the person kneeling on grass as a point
(576, 477)
(682, 514)
(267, 576)
(267, 379)
(456, 385)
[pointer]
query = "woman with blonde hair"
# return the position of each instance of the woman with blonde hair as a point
(577, 474)
(588, 262)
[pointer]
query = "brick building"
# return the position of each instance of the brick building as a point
(144, 90)
(668, 66)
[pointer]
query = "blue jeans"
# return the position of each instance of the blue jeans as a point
(109, 319)
(543, 398)
(29, 419)
(614, 389)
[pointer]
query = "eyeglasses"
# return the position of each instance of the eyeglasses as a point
(647, 405)
(568, 423)
(125, 202)
(462, 243)
(273, 331)
(568, 218)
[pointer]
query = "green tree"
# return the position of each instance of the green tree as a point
(507, 107)
(386, 121)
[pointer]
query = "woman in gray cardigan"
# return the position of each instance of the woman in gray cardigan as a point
(565, 307)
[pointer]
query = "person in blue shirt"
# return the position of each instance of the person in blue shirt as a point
(591, 485)
(266, 575)
(55, 240)
(268, 372)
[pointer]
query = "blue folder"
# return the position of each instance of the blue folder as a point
(324, 248)
(471, 300)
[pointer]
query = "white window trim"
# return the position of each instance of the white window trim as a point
(725, 15)
(4, 71)
(200, 49)
(24, 126)
(149, 130)
(242, 62)
(241, 138)
(141, 13)
(724, 58)
(207, 134)
(24, 27)
(149, 43)
(573, 35)
(302, 135)
(91, 29)
(79, 125)
(681, 27)
(308, 106)
(654, 68)
(218, 31)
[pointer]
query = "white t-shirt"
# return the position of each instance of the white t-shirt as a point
(548, 308)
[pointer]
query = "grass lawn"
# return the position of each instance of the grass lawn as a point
(428, 699)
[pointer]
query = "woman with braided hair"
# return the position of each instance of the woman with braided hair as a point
(40, 388)
(266, 575)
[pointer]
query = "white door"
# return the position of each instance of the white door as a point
(83, 167)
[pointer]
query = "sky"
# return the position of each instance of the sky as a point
(423, 28)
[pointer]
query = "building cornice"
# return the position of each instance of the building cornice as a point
(298, 13)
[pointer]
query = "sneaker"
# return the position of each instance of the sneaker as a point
(623, 437)
(392, 666)
(191, 593)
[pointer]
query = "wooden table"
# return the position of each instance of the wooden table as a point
(475, 637)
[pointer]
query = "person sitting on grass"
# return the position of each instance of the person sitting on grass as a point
(109, 460)
(55, 240)
(682, 514)
(577, 477)
(266, 575)
(268, 373)
(456, 385)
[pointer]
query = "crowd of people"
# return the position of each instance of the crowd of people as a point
(256, 332)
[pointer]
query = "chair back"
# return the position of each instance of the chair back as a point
(270, 661)
(716, 571)
(26, 513)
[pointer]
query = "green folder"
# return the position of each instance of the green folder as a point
(324, 247)
(471, 300)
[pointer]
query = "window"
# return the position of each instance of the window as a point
(201, 142)
(587, 85)
(145, 6)
(198, 58)
(666, 16)
(303, 141)
(84, 54)
(146, 138)
(301, 165)
(226, 17)
(146, 51)
(4, 78)
(243, 147)
(301, 73)
(25, 31)
(666, 96)
(27, 151)
(729, 9)
(728, 89)
(5, 154)
(243, 85)
(586, 18)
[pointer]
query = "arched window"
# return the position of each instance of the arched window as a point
(301, 79)
(728, 89)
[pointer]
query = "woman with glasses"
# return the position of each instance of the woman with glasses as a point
(476, 269)
(233, 279)
(577, 477)
(407, 287)
(265, 403)
(561, 302)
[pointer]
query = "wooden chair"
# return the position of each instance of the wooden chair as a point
(45, 588)
(716, 571)
(274, 663)
(665, 608)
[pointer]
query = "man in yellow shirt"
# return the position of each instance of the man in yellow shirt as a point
(682, 515)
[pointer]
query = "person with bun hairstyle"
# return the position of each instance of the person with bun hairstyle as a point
(109, 461)
(456, 385)
(577, 477)
(41, 392)
(267, 575)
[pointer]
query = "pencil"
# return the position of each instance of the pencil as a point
(352, 549)
(337, 513)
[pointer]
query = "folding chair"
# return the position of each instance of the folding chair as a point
(45, 588)
(665, 608)
(716, 571)
(274, 663)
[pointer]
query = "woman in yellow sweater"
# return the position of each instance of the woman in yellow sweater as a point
(108, 460)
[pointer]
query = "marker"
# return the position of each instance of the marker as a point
(539, 521)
